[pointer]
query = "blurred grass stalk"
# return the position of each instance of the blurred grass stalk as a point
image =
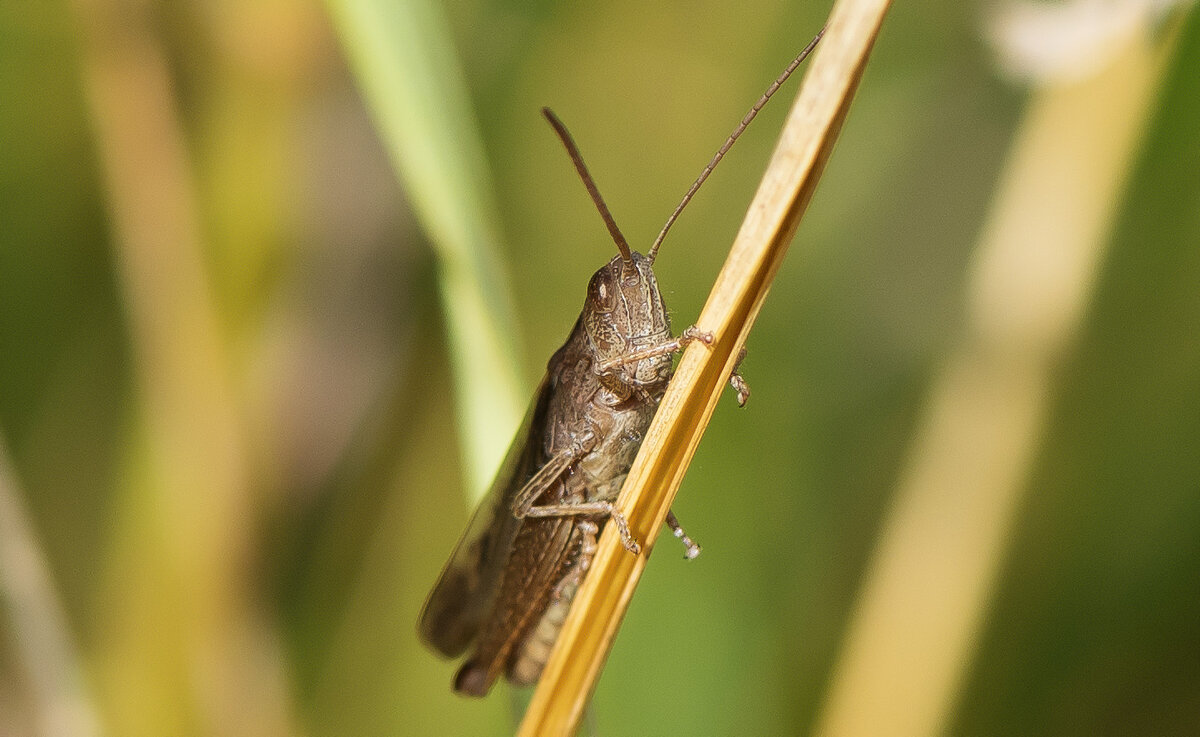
(40, 632)
(181, 645)
(404, 60)
(741, 287)
(918, 617)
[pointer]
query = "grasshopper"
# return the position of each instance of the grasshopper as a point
(510, 581)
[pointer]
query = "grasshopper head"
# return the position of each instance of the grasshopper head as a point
(625, 313)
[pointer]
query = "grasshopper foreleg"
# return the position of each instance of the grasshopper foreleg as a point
(690, 334)
(674, 345)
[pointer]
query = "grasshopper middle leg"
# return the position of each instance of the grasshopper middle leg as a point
(590, 509)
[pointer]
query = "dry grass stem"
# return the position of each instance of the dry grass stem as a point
(31, 610)
(926, 597)
(741, 286)
(186, 515)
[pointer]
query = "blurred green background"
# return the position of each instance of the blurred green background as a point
(227, 409)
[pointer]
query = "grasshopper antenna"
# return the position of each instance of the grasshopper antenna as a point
(577, 158)
(730, 141)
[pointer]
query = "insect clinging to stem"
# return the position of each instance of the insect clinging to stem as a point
(509, 582)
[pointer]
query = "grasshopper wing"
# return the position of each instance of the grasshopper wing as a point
(467, 587)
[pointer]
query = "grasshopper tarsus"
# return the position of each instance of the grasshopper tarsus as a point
(737, 382)
(741, 387)
(691, 549)
(627, 538)
(694, 333)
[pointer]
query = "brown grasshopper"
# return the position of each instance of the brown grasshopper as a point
(510, 581)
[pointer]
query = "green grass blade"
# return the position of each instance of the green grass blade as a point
(402, 55)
